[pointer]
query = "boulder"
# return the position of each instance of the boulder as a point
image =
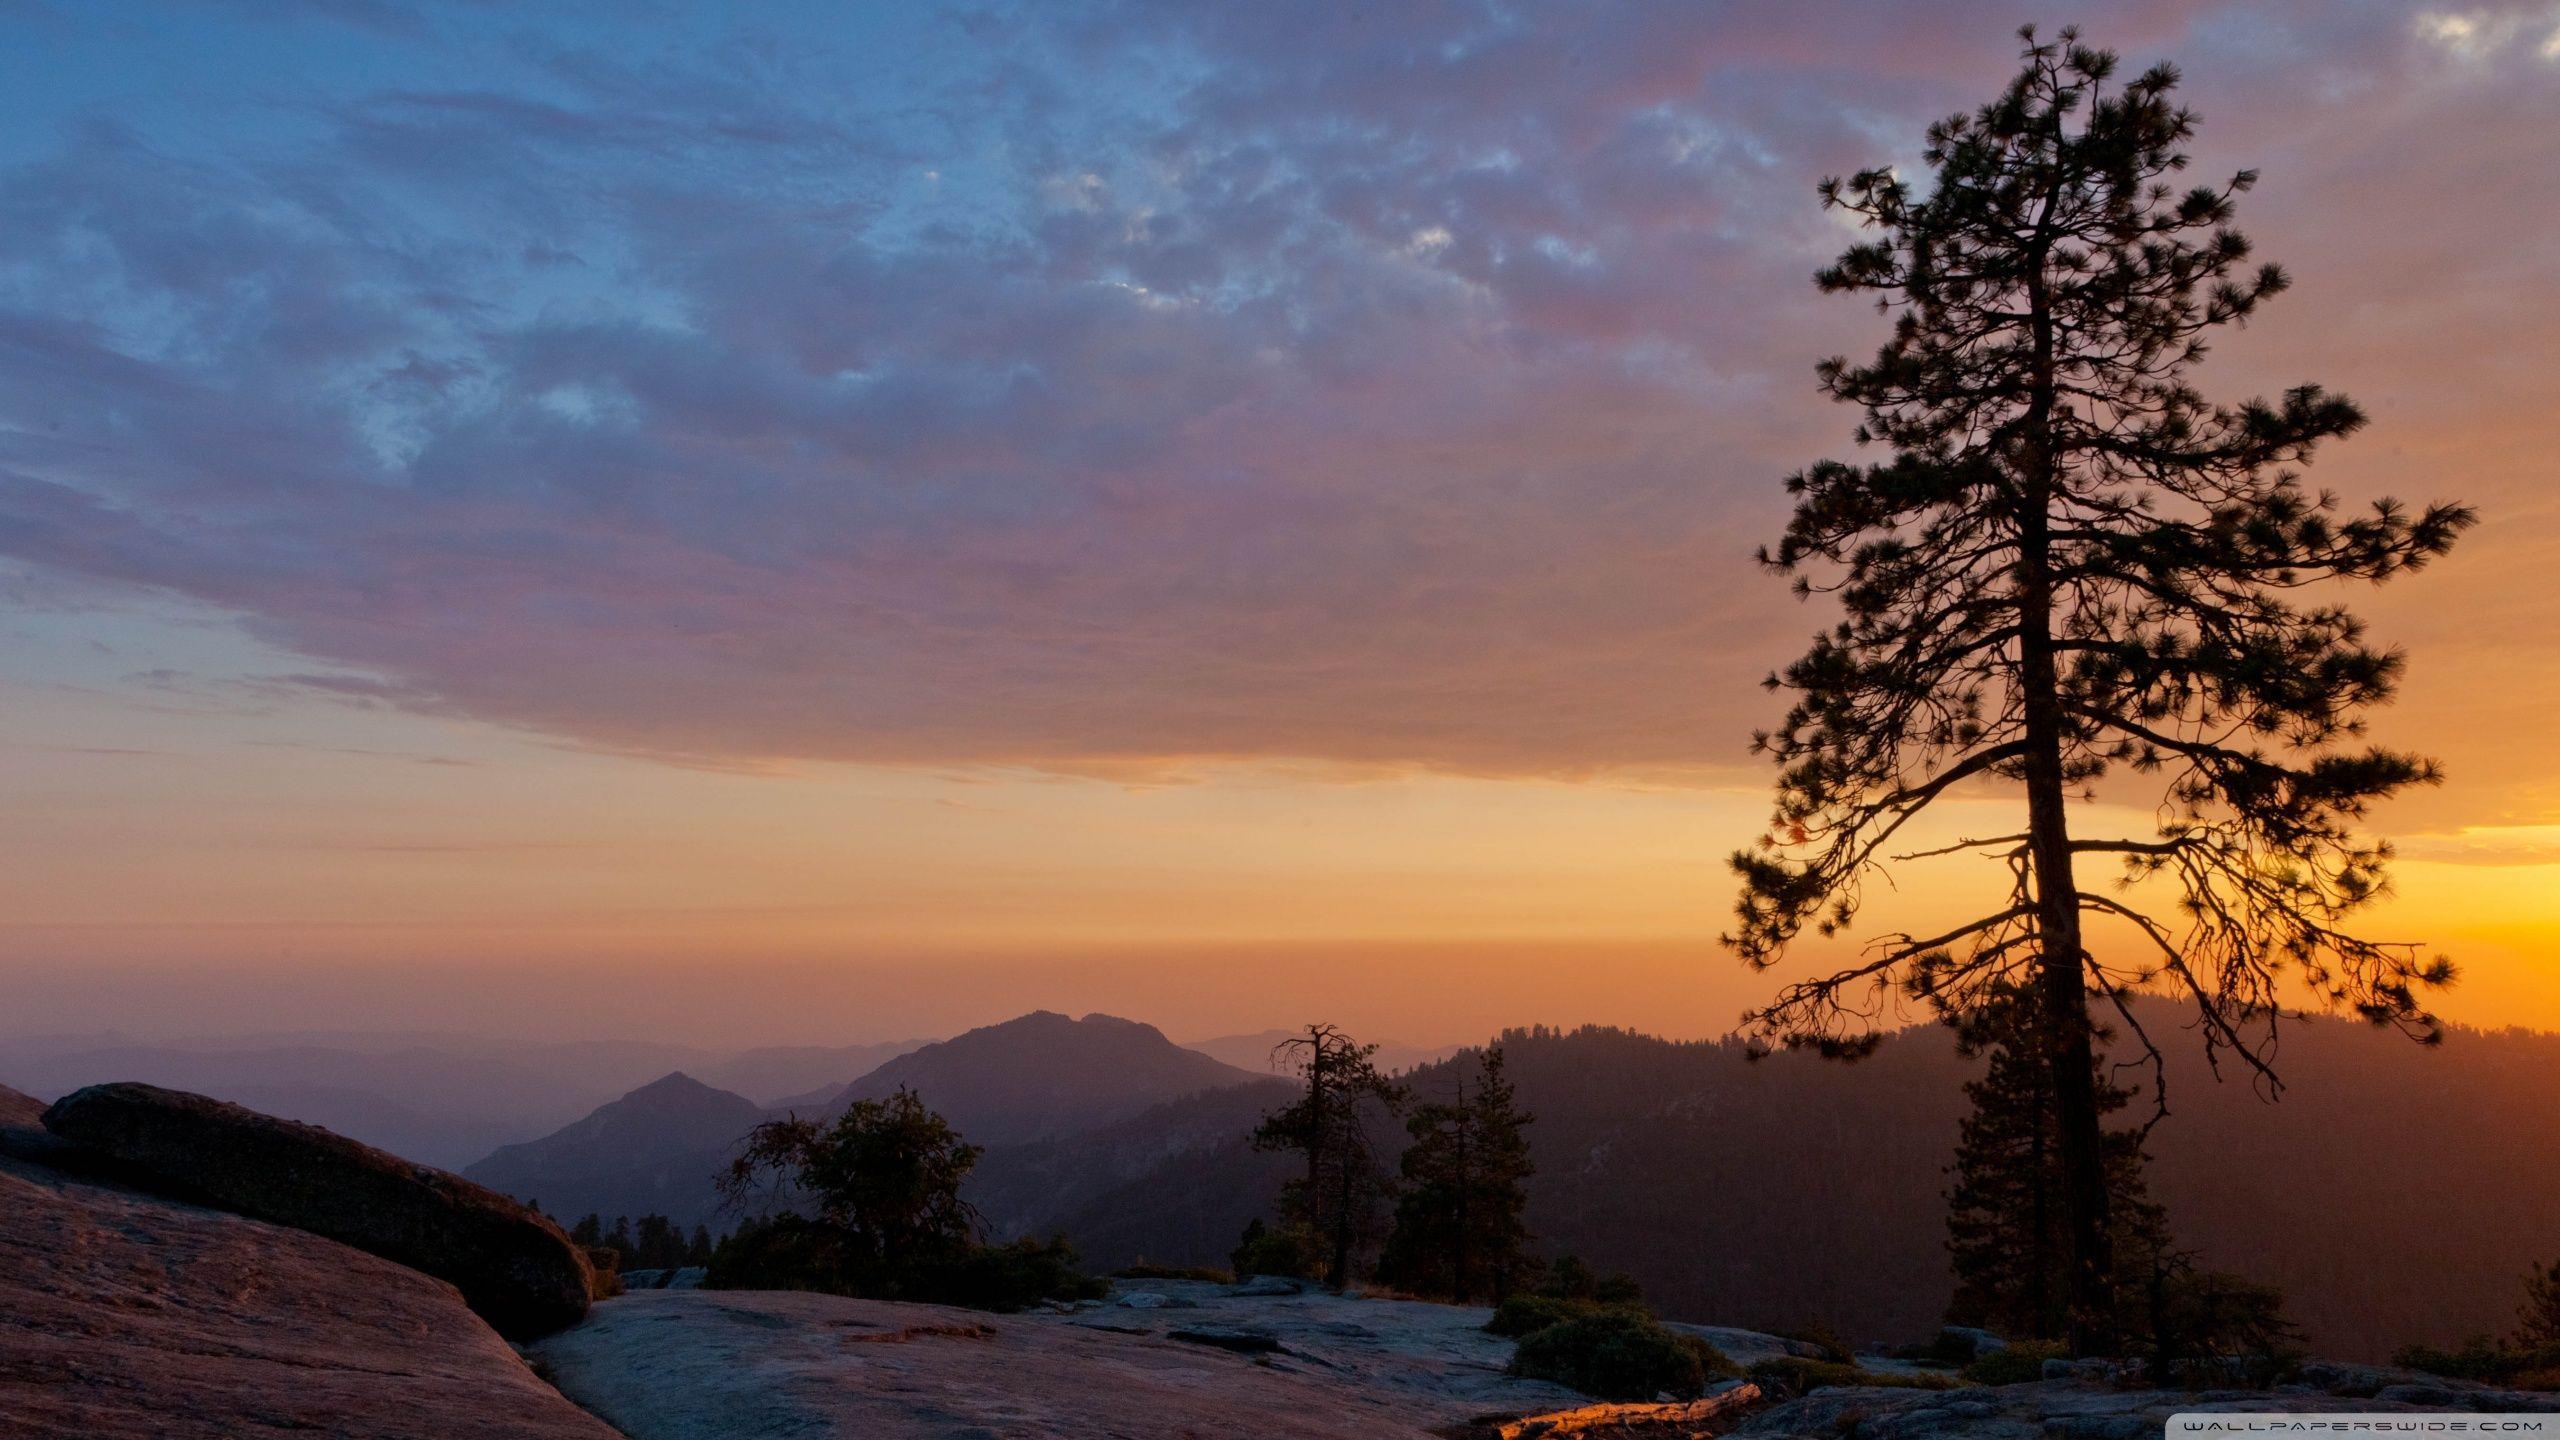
(1980, 1341)
(683, 1277)
(128, 1316)
(1262, 1285)
(514, 1267)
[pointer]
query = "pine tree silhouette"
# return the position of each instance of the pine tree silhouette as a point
(2073, 566)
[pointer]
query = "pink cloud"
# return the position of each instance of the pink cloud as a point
(1400, 385)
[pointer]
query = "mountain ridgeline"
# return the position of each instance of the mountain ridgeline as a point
(1039, 1077)
(440, 1098)
(2394, 1194)
(1038, 1080)
(652, 1152)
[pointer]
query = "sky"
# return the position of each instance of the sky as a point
(831, 522)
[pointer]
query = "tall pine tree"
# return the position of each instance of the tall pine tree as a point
(1458, 1230)
(2072, 566)
(1337, 1199)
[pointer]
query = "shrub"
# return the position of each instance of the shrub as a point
(1525, 1315)
(1619, 1353)
(2528, 1367)
(1009, 1277)
(2194, 1314)
(1289, 1251)
(1824, 1339)
(2021, 1362)
(794, 1254)
(1800, 1375)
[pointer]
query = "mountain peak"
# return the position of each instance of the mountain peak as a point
(591, 1162)
(1052, 1020)
(1044, 1075)
(675, 1084)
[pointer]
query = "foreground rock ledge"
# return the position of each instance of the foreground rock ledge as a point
(740, 1365)
(517, 1269)
(124, 1315)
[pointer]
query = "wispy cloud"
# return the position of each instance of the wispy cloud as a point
(1096, 392)
(2487, 845)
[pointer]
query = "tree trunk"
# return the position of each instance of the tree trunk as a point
(1341, 1275)
(2061, 983)
(2039, 1211)
(2068, 1045)
(1459, 1280)
(1317, 1060)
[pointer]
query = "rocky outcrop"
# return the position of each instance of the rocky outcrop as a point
(124, 1315)
(1202, 1359)
(517, 1269)
(741, 1365)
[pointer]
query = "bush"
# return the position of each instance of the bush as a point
(1824, 1339)
(1010, 1277)
(2194, 1314)
(2527, 1367)
(1799, 1375)
(2021, 1362)
(1525, 1315)
(1288, 1251)
(794, 1254)
(1619, 1353)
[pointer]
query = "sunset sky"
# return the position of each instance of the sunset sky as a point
(796, 523)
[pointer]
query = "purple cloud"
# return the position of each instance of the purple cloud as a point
(1400, 385)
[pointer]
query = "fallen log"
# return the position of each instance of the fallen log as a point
(1590, 1418)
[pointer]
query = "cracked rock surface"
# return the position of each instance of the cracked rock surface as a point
(1161, 1358)
(692, 1365)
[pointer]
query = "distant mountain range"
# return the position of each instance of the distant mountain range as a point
(443, 1099)
(2396, 1194)
(770, 1074)
(1041, 1080)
